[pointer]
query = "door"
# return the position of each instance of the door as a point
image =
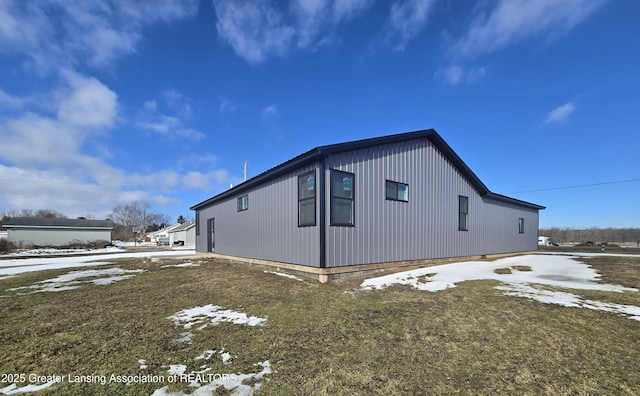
(211, 233)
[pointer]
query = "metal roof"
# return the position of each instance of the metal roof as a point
(321, 152)
(42, 222)
(184, 226)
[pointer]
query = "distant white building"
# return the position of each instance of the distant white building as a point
(163, 233)
(543, 241)
(37, 231)
(184, 235)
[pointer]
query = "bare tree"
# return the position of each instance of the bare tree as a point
(6, 215)
(593, 234)
(135, 214)
(50, 214)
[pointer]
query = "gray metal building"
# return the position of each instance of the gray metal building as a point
(36, 231)
(388, 199)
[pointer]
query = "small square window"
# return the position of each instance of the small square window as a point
(395, 191)
(243, 203)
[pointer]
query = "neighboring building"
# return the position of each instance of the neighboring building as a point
(364, 205)
(184, 235)
(37, 231)
(162, 234)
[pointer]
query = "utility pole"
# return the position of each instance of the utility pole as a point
(244, 170)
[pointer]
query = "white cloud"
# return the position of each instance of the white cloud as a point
(178, 102)
(254, 29)
(406, 20)
(89, 104)
(57, 33)
(169, 117)
(257, 30)
(560, 114)
(33, 140)
(205, 181)
(511, 21)
(456, 74)
(227, 106)
(315, 19)
(344, 9)
(44, 160)
(269, 112)
(29, 188)
(43, 163)
(9, 101)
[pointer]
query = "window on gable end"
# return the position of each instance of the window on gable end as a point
(243, 203)
(307, 199)
(395, 191)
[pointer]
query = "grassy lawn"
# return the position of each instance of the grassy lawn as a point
(318, 339)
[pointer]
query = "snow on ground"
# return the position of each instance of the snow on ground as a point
(561, 271)
(55, 252)
(183, 265)
(71, 280)
(284, 275)
(203, 381)
(230, 382)
(14, 389)
(12, 267)
(187, 318)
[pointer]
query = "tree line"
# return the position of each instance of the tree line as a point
(125, 218)
(593, 234)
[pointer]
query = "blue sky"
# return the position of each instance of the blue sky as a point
(106, 102)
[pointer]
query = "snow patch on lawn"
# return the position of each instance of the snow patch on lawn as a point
(72, 280)
(14, 389)
(206, 355)
(19, 266)
(183, 265)
(143, 364)
(206, 384)
(230, 382)
(568, 300)
(549, 270)
(56, 252)
(212, 314)
(284, 275)
(177, 369)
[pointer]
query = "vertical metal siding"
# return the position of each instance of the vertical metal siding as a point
(54, 236)
(269, 228)
(385, 231)
(427, 226)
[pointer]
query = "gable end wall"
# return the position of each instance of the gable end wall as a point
(269, 229)
(426, 227)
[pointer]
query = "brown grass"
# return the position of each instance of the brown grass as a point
(470, 339)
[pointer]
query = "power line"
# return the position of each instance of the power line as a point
(578, 186)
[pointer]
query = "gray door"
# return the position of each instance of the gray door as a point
(211, 227)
